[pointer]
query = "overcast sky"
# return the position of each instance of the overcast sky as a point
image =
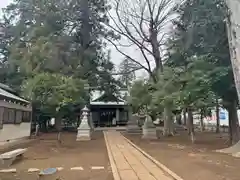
(4, 3)
(115, 56)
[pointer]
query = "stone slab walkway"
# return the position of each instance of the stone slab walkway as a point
(128, 163)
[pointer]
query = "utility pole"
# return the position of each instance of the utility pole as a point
(233, 28)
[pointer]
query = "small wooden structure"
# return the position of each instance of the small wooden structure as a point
(108, 110)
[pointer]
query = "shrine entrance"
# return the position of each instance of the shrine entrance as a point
(107, 117)
(108, 111)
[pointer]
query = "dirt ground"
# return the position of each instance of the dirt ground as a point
(193, 162)
(48, 153)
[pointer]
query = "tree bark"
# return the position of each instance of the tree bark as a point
(190, 124)
(44, 126)
(168, 122)
(179, 119)
(217, 117)
(231, 41)
(58, 124)
(232, 110)
(234, 135)
(201, 121)
(155, 47)
(184, 117)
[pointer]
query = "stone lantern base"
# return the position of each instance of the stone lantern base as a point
(132, 125)
(149, 131)
(84, 134)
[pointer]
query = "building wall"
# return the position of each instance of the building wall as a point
(14, 131)
(95, 117)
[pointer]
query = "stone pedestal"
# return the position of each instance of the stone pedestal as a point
(84, 129)
(149, 130)
(141, 119)
(132, 125)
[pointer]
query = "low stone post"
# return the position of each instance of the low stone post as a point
(132, 125)
(148, 129)
(84, 129)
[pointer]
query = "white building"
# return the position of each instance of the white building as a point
(223, 116)
(15, 116)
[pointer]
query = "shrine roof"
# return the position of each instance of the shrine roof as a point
(101, 98)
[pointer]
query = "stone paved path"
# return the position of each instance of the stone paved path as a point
(128, 163)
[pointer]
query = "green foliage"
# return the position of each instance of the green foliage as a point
(127, 72)
(205, 36)
(140, 97)
(167, 89)
(196, 84)
(198, 69)
(54, 92)
(199, 46)
(51, 47)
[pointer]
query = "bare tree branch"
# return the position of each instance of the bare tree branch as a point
(128, 72)
(124, 54)
(143, 23)
(128, 32)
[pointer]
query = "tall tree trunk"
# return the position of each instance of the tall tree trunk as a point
(44, 126)
(202, 126)
(232, 40)
(234, 134)
(190, 124)
(86, 26)
(185, 117)
(168, 122)
(179, 119)
(58, 124)
(155, 48)
(217, 117)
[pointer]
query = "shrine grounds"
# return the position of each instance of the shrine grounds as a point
(193, 162)
(46, 152)
(89, 160)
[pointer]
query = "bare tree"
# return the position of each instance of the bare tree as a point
(143, 24)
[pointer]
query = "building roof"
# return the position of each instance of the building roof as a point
(108, 98)
(11, 96)
(100, 98)
(99, 103)
(7, 88)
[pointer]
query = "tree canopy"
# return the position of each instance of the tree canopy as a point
(52, 49)
(198, 68)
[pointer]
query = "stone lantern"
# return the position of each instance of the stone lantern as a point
(84, 129)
